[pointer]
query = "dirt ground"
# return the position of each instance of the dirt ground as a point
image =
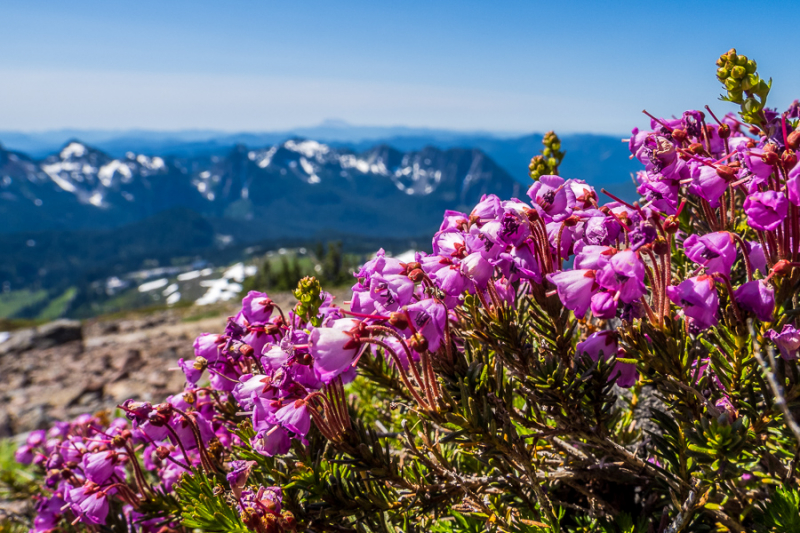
(116, 359)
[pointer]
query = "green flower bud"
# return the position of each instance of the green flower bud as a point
(735, 96)
(739, 72)
(751, 67)
(732, 84)
(741, 60)
(722, 73)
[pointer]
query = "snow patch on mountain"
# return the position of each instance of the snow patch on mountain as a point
(73, 149)
(310, 149)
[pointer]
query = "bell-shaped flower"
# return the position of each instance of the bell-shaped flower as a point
(446, 274)
(766, 210)
(511, 227)
(391, 291)
(249, 385)
(593, 257)
(597, 228)
(505, 290)
(708, 183)
(793, 185)
(787, 341)
(223, 375)
(551, 198)
(102, 466)
(237, 477)
(604, 305)
(454, 220)
(605, 343)
(208, 346)
(274, 357)
(334, 348)
(624, 274)
(48, 514)
(575, 289)
(257, 307)
(698, 298)
(757, 297)
(477, 269)
(715, 251)
(755, 163)
(524, 263)
(429, 318)
(295, 417)
(489, 208)
(191, 370)
(88, 502)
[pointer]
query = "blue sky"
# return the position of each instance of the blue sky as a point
(258, 66)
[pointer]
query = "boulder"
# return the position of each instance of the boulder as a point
(45, 336)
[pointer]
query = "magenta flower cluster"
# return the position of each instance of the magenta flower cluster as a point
(285, 370)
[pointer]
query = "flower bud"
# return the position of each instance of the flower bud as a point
(679, 135)
(416, 275)
(724, 131)
(782, 268)
(788, 159)
(725, 172)
(793, 140)
(696, 148)
(398, 320)
(413, 265)
(532, 214)
(769, 158)
(661, 246)
(418, 343)
(671, 224)
(162, 452)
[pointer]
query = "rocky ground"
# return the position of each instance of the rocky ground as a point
(66, 368)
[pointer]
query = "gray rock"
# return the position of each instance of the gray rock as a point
(45, 336)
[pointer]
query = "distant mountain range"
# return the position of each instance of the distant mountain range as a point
(76, 216)
(296, 188)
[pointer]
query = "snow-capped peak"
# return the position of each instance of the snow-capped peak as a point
(310, 149)
(73, 149)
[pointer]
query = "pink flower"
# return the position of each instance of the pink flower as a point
(257, 307)
(766, 210)
(334, 348)
(698, 298)
(757, 297)
(295, 417)
(715, 251)
(575, 289)
(88, 502)
(624, 274)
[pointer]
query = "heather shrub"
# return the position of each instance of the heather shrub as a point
(566, 362)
